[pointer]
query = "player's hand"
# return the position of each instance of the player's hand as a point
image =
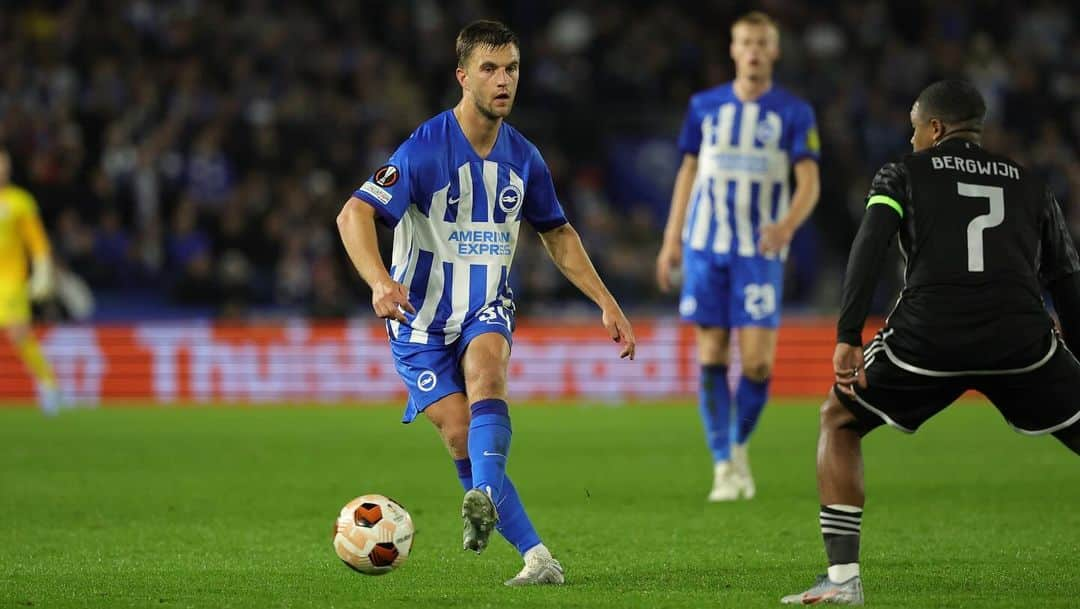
(774, 237)
(41, 280)
(390, 300)
(849, 368)
(618, 327)
(667, 264)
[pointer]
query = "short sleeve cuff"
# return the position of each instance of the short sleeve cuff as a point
(383, 214)
(543, 227)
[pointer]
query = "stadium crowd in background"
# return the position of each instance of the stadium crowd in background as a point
(190, 157)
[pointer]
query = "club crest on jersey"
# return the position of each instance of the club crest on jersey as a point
(766, 132)
(510, 199)
(386, 176)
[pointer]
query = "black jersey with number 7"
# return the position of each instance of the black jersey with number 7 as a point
(981, 237)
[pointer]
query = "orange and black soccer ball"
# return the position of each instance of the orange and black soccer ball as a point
(373, 534)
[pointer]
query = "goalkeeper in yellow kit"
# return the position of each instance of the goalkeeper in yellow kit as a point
(21, 233)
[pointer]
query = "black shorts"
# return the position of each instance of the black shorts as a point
(1037, 399)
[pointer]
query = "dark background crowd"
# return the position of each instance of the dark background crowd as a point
(189, 157)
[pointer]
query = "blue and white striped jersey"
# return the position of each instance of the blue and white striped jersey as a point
(745, 153)
(456, 218)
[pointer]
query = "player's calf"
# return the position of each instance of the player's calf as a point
(837, 414)
(839, 455)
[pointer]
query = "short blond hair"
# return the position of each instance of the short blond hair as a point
(756, 18)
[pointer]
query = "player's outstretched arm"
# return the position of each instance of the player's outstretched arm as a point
(670, 256)
(776, 236)
(565, 248)
(356, 225)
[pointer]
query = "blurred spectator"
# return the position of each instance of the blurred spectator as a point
(112, 251)
(206, 147)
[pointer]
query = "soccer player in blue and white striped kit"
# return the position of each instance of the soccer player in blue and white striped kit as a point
(732, 218)
(455, 193)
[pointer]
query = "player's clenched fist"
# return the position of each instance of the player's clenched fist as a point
(667, 266)
(390, 300)
(775, 237)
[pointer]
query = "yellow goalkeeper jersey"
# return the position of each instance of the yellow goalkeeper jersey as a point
(21, 233)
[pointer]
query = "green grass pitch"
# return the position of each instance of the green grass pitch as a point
(233, 507)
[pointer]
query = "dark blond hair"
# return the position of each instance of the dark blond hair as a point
(756, 18)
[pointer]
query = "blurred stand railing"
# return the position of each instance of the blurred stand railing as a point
(298, 361)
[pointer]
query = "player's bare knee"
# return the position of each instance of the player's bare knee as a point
(712, 346)
(486, 383)
(456, 438)
(453, 427)
(757, 371)
(834, 415)
(710, 354)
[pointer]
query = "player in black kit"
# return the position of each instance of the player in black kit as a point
(982, 238)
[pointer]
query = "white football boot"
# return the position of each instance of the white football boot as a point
(740, 461)
(827, 592)
(49, 399)
(540, 568)
(725, 485)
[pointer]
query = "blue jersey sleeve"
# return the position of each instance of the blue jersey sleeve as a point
(690, 136)
(542, 208)
(389, 189)
(805, 143)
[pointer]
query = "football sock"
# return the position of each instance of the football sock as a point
(489, 445)
(30, 352)
(514, 523)
(714, 402)
(840, 528)
(750, 397)
(464, 472)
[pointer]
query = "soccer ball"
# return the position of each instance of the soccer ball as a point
(373, 534)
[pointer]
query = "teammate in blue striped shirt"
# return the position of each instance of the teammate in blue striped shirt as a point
(732, 217)
(455, 193)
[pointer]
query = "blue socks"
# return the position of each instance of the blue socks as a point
(750, 397)
(489, 446)
(714, 401)
(514, 523)
(464, 472)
